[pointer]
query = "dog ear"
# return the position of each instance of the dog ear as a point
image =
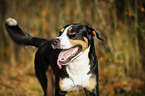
(94, 32)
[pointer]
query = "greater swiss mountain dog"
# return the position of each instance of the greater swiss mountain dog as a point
(67, 63)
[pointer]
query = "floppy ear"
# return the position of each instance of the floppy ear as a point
(94, 32)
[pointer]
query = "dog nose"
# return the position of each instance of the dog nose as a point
(55, 41)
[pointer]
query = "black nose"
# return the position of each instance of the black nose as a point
(55, 41)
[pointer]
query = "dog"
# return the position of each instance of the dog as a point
(67, 63)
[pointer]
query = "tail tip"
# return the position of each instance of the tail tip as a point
(11, 22)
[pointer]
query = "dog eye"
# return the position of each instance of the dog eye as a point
(72, 33)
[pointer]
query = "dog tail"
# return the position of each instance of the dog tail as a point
(21, 37)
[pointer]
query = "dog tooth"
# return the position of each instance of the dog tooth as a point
(74, 51)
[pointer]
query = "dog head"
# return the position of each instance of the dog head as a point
(73, 39)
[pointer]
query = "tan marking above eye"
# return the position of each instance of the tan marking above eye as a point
(69, 28)
(80, 42)
(62, 29)
(94, 33)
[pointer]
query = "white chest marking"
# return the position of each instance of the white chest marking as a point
(78, 73)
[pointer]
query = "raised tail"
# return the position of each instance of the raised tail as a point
(21, 37)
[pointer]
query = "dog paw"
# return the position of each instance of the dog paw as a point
(11, 22)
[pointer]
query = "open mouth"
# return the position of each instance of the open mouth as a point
(68, 55)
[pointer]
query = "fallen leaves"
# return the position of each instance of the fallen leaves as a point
(20, 80)
(114, 82)
(17, 81)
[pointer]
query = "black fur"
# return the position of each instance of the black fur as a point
(46, 56)
(23, 38)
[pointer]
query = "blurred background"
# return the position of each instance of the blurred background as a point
(121, 57)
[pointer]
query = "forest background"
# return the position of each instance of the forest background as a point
(121, 57)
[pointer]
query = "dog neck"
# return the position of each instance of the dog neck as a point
(78, 69)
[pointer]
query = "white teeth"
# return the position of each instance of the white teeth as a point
(74, 51)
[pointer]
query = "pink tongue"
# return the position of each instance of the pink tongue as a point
(64, 55)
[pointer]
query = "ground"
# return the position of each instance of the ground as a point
(20, 80)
